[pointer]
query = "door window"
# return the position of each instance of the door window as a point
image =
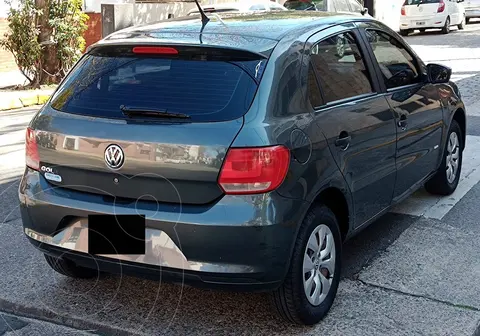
(340, 69)
(397, 65)
(313, 90)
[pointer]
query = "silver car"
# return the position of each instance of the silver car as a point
(472, 10)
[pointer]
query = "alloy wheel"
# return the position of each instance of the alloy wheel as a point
(453, 155)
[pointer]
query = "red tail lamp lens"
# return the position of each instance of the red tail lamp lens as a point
(254, 170)
(32, 158)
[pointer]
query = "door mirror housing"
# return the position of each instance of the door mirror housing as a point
(438, 73)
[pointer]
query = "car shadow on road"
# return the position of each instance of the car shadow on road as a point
(128, 303)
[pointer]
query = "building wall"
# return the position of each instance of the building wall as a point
(7, 62)
(93, 33)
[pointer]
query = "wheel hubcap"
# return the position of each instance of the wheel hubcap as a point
(453, 154)
(319, 264)
(340, 47)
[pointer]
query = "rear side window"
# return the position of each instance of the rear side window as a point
(418, 2)
(340, 69)
(204, 90)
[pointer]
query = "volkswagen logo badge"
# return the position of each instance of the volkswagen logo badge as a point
(114, 157)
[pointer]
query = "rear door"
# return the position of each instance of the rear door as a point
(356, 120)
(416, 105)
(171, 112)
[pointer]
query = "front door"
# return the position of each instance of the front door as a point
(417, 108)
(356, 120)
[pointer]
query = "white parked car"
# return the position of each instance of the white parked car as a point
(242, 6)
(472, 10)
(426, 14)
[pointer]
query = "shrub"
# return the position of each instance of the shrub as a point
(45, 37)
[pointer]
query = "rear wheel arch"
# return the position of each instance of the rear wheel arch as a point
(334, 199)
(460, 117)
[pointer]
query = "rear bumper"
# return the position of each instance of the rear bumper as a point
(472, 13)
(422, 23)
(245, 241)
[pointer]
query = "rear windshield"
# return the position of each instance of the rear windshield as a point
(204, 90)
(418, 2)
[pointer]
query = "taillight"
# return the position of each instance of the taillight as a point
(32, 158)
(403, 11)
(155, 50)
(254, 170)
(441, 6)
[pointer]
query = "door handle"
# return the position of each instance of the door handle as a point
(402, 122)
(343, 140)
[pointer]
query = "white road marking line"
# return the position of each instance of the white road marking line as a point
(423, 204)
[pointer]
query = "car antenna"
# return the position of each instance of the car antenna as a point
(205, 18)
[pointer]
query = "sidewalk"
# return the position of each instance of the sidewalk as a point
(17, 99)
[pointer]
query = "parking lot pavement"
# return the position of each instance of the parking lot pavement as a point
(411, 272)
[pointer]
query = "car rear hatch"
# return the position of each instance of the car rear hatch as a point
(171, 111)
(422, 8)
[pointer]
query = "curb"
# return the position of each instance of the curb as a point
(46, 315)
(15, 100)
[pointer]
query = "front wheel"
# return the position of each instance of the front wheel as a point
(405, 32)
(311, 284)
(445, 181)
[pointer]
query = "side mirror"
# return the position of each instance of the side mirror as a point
(438, 73)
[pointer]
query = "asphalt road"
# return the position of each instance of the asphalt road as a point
(412, 272)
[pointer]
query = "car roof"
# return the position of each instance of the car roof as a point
(258, 31)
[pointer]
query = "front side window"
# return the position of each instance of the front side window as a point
(340, 68)
(397, 65)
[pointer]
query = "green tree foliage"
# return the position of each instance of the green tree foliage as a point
(45, 37)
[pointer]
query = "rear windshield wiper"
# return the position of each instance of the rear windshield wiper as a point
(131, 111)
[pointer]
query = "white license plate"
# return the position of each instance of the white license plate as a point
(421, 23)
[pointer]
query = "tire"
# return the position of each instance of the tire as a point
(446, 27)
(440, 184)
(290, 299)
(68, 268)
(404, 32)
(467, 20)
(461, 26)
(422, 30)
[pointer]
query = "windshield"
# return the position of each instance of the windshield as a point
(203, 90)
